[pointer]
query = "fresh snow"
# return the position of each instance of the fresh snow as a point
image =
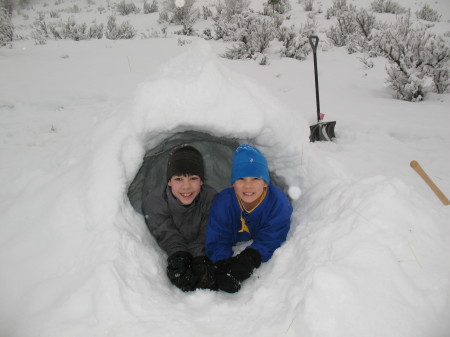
(368, 252)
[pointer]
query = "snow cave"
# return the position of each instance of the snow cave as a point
(217, 155)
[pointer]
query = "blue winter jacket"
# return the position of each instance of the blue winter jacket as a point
(267, 225)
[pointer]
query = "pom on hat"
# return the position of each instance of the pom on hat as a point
(248, 161)
(185, 160)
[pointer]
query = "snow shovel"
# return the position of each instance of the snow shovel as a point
(321, 130)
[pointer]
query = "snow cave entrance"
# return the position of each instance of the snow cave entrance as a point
(217, 155)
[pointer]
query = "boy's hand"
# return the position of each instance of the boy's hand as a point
(179, 270)
(231, 272)
(242, 265)
(204, 272)
(227, 283)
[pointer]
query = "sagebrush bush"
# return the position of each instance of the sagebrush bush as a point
(386, 6)
(419, 59)
(123, 31)
(6, 28)
(296, 42)
(185, 15)
(428, 14)
(308, 5)
(338, 7)
(353, 29)
(150, 8)
(124, 8)
(73, 31)
(228, 8)
(253, 33)
(7, 5)
(206, 13)
(41, 30)
(96, 31)
(278, 6)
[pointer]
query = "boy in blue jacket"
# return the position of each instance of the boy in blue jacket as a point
(252, 209)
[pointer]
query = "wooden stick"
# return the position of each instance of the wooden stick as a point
(415, 165)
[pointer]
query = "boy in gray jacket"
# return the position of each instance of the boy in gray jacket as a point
(177, 215)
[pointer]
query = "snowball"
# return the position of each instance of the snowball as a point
(294, 192)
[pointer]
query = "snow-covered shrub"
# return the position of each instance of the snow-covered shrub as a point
(150, 8)
(96, 31)
(6, 28)
(429, 14)
(278, 6)
(7, 5)
(338, 7)
(344, 28)
(264, 61)
(54, 14)
(124, 8)
(207, 34)
(55, 31)
(386, 6)
(114, 32)
(179, 12)
(308, 5)
(228, 8)
(296, 45)
(74, 9)
(253, 33)
(40, 31)
(353, 29)
(206, 13)
(419, 59)
(73, 31)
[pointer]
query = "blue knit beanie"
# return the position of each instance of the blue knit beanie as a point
(248, 161)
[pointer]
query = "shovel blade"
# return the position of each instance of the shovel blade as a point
(322, 131)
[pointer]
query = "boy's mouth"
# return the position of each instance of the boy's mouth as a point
(186, 195)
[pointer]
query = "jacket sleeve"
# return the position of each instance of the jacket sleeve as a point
(274, 228)
(219, 237)
(161, 226)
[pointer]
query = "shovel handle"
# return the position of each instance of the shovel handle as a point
(314, 42)
(416, 167)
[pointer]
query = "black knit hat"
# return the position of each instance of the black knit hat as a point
(185, 160)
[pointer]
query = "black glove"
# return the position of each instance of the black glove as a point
(227, 283)
(179, 270)
(204, 272)
(242, 265)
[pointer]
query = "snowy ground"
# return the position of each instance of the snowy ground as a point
(368, 250)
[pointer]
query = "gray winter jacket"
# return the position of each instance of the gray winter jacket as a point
(177, 227)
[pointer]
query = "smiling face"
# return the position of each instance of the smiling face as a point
(249, 190)
(185, 188)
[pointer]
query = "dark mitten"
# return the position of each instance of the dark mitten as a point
(242, 265)
(204, 272)
(179, 270)
(227, 283)
(224, 266)
(224, 280)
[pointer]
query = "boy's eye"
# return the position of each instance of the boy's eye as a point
(194, 178)
(177, 179)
